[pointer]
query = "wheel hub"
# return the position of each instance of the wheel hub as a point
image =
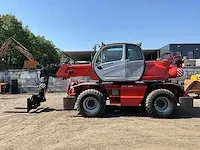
(91, 105)
(162, 104)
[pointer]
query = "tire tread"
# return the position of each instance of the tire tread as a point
(95, 93)
(150, 98)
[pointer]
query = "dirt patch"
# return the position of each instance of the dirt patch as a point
(50, 127)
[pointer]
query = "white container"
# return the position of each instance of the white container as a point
(197, 62)
(189, 62)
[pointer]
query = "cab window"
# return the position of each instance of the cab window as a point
(98, 61)
(133, 52)
(113, 53)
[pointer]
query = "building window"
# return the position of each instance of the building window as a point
(172, 54)
(190, 54)
(178, 53)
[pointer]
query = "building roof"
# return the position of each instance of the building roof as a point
(79, 55)
(180, 44)
(184, 44)
(150, 50)
(86, 55)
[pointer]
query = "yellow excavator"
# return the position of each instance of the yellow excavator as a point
(192, 85)
(31, 63)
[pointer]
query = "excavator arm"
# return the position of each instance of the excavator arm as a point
(5, 47)
(11, 42)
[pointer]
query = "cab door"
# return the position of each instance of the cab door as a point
(135, 63)
(109, 63)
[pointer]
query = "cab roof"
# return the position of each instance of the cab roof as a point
(121, 43)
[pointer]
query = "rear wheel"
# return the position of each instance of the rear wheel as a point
(91, 103)
(161, 103)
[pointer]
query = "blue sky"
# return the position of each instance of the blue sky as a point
(78, 24)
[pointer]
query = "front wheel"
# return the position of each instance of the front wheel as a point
(161, 103)
(91, 103)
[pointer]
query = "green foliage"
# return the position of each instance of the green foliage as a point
(43, 51)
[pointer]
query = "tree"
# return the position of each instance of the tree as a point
(43, 51)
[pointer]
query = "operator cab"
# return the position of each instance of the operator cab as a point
(119, 62)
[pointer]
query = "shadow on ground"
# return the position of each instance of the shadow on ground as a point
(180, 113)
(38, 110)
(190, 113)
(114, 111)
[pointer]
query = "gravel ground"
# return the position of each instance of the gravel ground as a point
(50, 127)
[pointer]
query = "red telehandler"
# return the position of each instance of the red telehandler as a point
(119, 74)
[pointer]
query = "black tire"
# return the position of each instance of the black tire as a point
(166, 98)
(93, 96)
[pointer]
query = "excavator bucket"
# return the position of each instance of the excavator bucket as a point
(30, 64)
(193, 84)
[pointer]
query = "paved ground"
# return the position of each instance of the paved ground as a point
(51, 128)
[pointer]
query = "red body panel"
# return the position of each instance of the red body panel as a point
(68, 71)
(131, 95)
(156, 70)
(126, 95)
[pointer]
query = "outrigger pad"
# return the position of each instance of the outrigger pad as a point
(186, 102)
(69, 102)
(34, 101)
